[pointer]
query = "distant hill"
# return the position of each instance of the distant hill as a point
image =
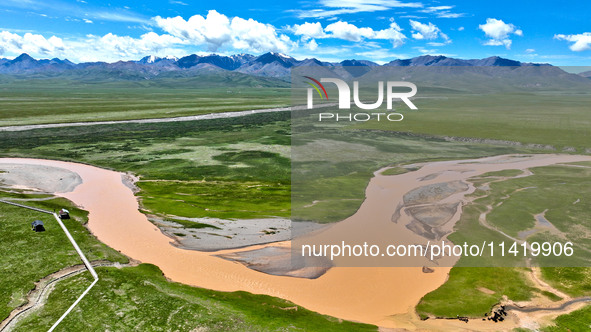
(275, 65)
(430, 60)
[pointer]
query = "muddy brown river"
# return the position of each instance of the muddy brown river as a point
(385, 296)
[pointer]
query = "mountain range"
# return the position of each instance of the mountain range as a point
(275, 65)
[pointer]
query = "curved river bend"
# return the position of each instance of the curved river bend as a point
(381, 296)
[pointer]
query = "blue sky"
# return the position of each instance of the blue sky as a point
(332, 30)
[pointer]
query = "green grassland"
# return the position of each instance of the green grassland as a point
(54, 100)
(461, 294)
(575, 321)
(141, 299)
(558, 120)
(555, 188)
(28, 256)
(228, 168)
(216, 199)
(575, 281)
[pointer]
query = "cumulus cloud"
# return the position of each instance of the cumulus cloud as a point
(392, 34)
(30, 43)
(252, 35)
(581, 42)
(350, 32)
(426, 31)
(312, 45)
(308, 30)
(212, 30)
(347, 31)
(499, 32)
(217, 30)
(125, 47)
(109, 47)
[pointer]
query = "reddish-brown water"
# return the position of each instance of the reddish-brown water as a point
(376, 295)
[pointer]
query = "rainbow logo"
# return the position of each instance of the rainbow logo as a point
(315, 87)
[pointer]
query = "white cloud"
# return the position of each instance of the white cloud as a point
(426, 31)
(109, 47)
(442, 12)
(308, 30)
(450, 15)
(392, 34)
(116, 16)
(581, 42)
(433, 52)
(87, 21)
(461, 29)
(425, 51)
(114, 47)
(497, 29)
(494, 42)
(339, 7)
(412, 16)
(394, 25)
(347, 31)
(217, 30)
(351, 32)
(530, 50)
(33, 44)
(436, 8)
(312, 45)
(381, 54)
(213, 30)
(259, 37)
(499, 32)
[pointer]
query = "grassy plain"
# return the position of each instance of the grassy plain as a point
(222, 167)
(558, 190)
(140, 298)
(28, 256)
(575, 321)
(558, 120)
(472, 292)
(38, 101)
